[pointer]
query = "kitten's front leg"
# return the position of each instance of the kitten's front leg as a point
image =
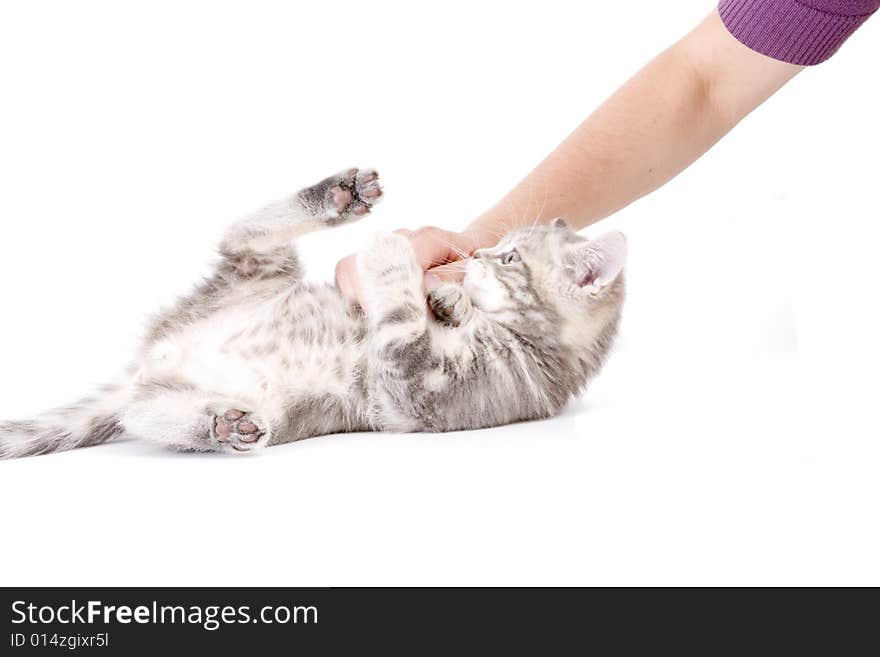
(392, 281)
(400, 343)
(451, 304)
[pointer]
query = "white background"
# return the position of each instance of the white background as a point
(732, 438)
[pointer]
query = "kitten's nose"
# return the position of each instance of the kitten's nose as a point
(479, 253)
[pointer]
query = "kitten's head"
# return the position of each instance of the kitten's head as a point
(569, 286)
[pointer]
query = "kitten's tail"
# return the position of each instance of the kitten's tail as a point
(91, 421)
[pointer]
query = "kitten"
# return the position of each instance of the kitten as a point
(255, 356)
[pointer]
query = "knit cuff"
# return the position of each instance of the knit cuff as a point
(787, 29)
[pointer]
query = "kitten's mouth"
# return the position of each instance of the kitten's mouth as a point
(474, 271)
(474, 275)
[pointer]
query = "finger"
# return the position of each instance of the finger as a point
(434, 246)
(448, 273)
(347, 279)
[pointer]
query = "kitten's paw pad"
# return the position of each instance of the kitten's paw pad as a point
(355, 192)
(449, 304)
(341, 198)
(238, 431)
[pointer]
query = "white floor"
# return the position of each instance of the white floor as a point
(724, 481)
(732, 439)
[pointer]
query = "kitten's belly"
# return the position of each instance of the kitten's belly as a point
(293, 345)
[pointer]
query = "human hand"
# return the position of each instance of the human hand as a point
(441, 253)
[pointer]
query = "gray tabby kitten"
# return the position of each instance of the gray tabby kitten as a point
(255, 356)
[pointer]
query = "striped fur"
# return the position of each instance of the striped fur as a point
(256, 357)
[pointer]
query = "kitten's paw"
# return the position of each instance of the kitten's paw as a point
(347, 196)
(449, 304)
(355, 191)
(238, 431)
(386, 254)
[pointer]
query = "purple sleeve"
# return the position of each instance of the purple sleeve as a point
(803, 32)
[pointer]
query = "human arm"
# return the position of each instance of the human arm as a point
(671, 112)
(652, 128)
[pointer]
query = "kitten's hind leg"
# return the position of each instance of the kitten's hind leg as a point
(339, 199)
(239, 430)
(186, 420)
(259, 246)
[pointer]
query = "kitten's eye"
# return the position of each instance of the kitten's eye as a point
(510, 258)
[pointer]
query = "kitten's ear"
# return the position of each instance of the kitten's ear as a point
(560, 223)
(598, 262)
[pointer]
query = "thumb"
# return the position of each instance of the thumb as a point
(435, 246)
